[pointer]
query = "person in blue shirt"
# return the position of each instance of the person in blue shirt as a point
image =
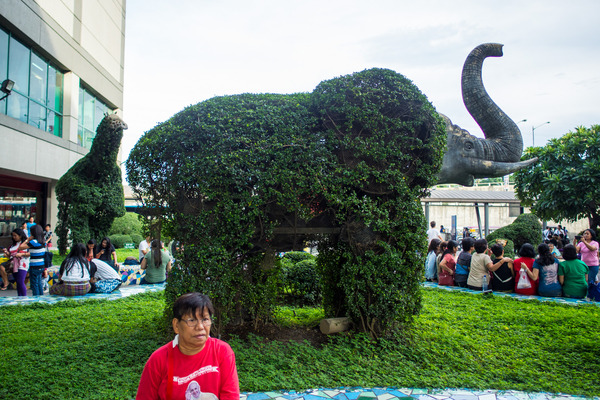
(463, 263)
(545, 267)
(37, 255)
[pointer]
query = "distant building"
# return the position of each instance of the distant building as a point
(66, 62)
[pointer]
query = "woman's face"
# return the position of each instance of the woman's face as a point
(193, 331)
(90, 246)
(104, 244)
(587, 235)
(16, 237)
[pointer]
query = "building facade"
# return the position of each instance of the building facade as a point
(66, 59)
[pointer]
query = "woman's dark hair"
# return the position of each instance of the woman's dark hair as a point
(156, 246)
(190, 304)
(467, 243)
(497, 249)
(527, 251)
(108, 244)
(544, 255)
(592, 232)
(22, 236)
(481, 245)
(38, 233)
(76, 256)
(92, 241)
(433, 245)
(450, 247)
(569, 252)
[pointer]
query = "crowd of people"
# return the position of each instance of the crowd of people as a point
(558, 270)
(88, 268)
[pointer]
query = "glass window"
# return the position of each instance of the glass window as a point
(99, 114)
(55, 84)
(17, 106)
(88, 111)
(3, 55)
(37, 115)
(91, 113)
(38, 79)
(37, 94)
(54, 123)
(18, 66)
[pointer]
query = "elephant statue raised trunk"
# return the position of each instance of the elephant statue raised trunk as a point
(469, 157)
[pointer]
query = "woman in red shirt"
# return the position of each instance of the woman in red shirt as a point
(525, 260)
(448, 265)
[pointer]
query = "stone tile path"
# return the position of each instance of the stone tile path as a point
(393, 393)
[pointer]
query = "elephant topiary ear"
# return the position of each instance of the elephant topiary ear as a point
(385, 109)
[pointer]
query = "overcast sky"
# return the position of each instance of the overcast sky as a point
(182, 52)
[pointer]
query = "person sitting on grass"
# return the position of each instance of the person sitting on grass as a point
(463, 263)
(554, 249)
(448, 264)
(482, 265)
(105, 278)
(74, 274)
(573, 274)
(157, 263)
(503, 277)
(430, 267)
(545, 267)
(525, 261)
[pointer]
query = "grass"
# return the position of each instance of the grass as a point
(97, 349)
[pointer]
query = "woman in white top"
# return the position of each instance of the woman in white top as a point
(74, 274)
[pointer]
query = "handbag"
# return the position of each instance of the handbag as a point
(523, 282)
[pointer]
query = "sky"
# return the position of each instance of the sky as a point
(179, 53)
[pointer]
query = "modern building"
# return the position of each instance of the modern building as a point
(64, 61)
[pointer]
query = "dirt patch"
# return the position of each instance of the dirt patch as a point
(272, 332)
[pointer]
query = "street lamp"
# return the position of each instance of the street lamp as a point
(533, 132)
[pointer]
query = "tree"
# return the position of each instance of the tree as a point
(565, 182)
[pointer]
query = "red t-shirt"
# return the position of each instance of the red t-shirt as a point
(209, 375)
(517, 267)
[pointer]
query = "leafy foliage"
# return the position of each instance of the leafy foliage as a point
(507, 244)
(90, 194)
(237, 177)
(565, 182)
(119, 240)
(526, 228)
(128, 224)
(300, 278)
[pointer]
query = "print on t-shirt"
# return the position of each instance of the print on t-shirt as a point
(193, 392)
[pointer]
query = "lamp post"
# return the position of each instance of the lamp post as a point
(533, 132)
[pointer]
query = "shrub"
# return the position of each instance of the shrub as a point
(136, 238)
(302, 281)
(509, 246)
(119, 240)
(128, 224)
(525, 229)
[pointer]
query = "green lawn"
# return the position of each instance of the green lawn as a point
(97, 349)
